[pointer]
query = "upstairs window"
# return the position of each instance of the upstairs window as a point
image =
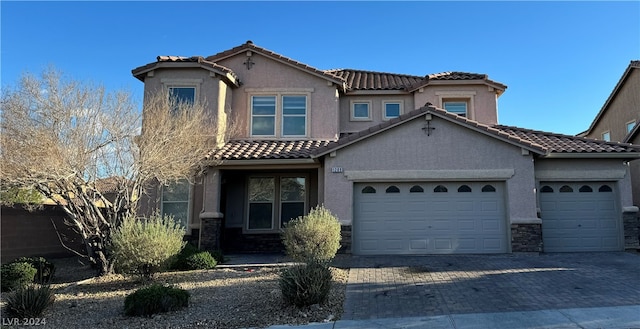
(606, 136)
(294, 115)
(456, 107)
(183, 94)
(361, 111)
(285, 114)
(630, 126)
(391, 109)
(263, 115)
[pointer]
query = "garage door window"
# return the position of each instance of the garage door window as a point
(416, 189)
(464, 188)
(585, 189)
(566, 189)
(440, 189)
(392, 189)
(546, 189)
(488, 188)
(368, 189)
(604, 188)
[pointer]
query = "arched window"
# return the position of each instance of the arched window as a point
(416, 189)
(566, 189)
(605, 188)
(392, 189)
(440, 189)
(546, 189)
(488, 188)
(585, 188)
(464, 188)
(368, 189)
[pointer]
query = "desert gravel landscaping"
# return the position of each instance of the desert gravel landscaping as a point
(238, 297)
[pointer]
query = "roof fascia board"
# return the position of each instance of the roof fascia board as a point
(614, 92)
(173, 65)
(501, 88)
(377, 92)
(597, 155)
(306, 162)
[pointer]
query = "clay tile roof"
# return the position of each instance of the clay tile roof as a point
(182, 59)
(538, 141)
(457, 76)
(266, 149)
(369, 80)
(249, 45)
(558, 143)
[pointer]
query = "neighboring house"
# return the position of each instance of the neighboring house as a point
(409, 164)
(618, 119)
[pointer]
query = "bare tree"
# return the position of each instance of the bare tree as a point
(67, 139)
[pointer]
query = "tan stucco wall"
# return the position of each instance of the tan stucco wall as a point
(485, 103)
(624, 107)
(267, 74)
(208, 88)
(450, 147)
(567, 170)
(376, 101)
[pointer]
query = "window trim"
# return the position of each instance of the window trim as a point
(279, 113)
(633, 125)
(183, 83)
(608, 133)
(189, 222)
(352, 110)
(460, 95)
(384, 108)
(277, 202)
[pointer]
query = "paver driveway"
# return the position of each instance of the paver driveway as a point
(404, 286)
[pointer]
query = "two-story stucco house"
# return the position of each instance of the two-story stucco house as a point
(618, 118)
(409, 164)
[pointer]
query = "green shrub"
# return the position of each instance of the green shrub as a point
(201, 261)
(16, 275)
(29, 301)
(305, 284)
(146, 246)
(192, 258)
(155, 299)
(314, 237)
(45, 269)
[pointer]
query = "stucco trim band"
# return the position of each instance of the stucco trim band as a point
(429, 175)
(526, 221)
(567, 175)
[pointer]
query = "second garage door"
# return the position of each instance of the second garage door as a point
(429, 218)
(580, 217)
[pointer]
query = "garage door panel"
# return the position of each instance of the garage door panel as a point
(580, 221)
(429, 222)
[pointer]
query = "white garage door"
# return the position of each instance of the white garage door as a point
(429, 218)
(580, 217)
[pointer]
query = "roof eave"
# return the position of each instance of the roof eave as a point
(141, 71)
(500, 88)
(263, 162)
(613, 94)
(592, 155)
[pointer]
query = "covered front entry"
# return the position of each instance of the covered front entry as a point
(580, 216)
(429, 218)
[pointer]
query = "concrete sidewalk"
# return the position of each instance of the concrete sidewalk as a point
(619, 317)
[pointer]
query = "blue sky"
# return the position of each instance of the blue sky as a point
(560, 60)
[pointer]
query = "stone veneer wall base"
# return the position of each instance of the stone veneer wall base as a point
(631, 225)
(526, 238)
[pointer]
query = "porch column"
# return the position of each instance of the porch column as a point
(211, 217)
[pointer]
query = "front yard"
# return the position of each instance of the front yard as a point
(220, 298)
